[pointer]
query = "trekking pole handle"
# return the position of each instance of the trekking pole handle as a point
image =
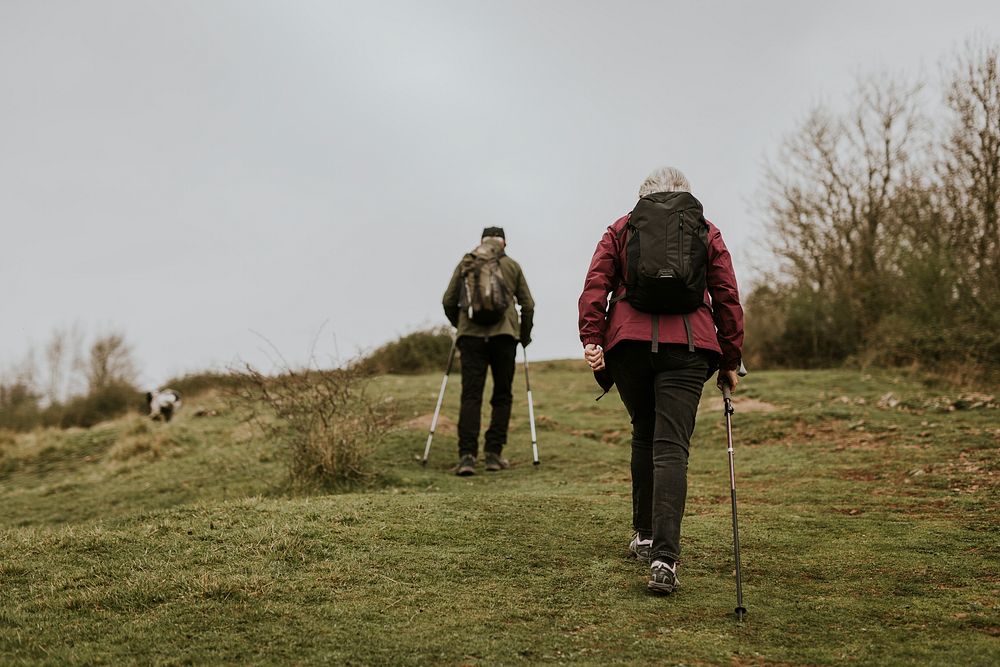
(727, 391)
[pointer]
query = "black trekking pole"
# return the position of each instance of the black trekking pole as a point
(531, 410)
(437, 409)
(728, 401)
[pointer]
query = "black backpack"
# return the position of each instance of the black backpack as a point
(666, 254)
(485, 295)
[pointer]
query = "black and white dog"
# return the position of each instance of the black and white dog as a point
(162, 403)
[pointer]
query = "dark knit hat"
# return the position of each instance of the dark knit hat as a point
(494, 231)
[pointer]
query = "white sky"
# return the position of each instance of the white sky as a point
(192, 172)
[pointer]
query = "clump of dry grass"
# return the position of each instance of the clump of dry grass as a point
(140, 439)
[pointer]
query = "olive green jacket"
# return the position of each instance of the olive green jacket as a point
(510, 325)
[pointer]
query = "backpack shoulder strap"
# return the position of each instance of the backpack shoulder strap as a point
(621, 232)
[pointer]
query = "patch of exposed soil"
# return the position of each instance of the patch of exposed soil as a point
(853, 511)
(614, 477)
(546, 422)
(423, 423)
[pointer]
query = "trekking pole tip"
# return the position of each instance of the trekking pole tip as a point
(741, 613)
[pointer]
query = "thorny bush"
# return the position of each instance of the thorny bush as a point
(326, 420)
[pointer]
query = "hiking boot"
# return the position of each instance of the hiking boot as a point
(663, 577)
(466, 465)
(495, 462)
(640, 548)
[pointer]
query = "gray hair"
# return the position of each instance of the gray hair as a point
(664, 179)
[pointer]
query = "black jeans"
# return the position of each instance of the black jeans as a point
(661, 392)
(479, 354)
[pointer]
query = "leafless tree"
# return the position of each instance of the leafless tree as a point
(63, 360)
(831, 195)
(970, 171)
(110, 362)
(886, 228)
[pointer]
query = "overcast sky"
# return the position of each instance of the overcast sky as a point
(200, 174)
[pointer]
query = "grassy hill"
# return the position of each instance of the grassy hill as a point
(868, 524)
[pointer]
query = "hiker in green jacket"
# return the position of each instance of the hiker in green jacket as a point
(481, 301)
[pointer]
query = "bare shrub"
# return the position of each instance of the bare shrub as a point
(109, 401)
(19, 409)
(325, 419)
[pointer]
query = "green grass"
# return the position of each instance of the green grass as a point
(869, 535)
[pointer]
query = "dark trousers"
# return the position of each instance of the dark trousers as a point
(661, 392)
(479, 354)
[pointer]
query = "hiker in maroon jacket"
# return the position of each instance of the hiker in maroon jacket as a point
(660, 362)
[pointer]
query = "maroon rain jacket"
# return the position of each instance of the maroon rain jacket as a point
(716, 326)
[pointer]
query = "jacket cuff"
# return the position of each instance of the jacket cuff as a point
(592, 340)
(730, 364)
